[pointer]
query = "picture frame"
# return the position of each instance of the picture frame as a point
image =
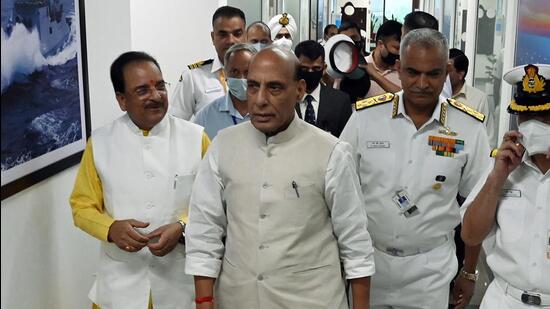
(45, 101)
(533, 33)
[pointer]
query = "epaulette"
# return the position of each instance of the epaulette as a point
(466, 109)
(199, 64)
(372, 101)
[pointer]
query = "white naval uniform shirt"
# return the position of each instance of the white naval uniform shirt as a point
(477, 99)
(392, 155)
(518, 247)
(196, 88)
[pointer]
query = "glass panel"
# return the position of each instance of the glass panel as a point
(382, 10)
(397, 9)
(489, 53)
(448, 14)
(252, 9)
(376, 18)
(460, 25)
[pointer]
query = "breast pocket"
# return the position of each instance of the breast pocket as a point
(377, 164)
(445, 171)
(297, 199)
(511, 219)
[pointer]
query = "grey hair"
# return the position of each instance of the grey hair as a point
(260, 24)
(238, 47)
(426, 38)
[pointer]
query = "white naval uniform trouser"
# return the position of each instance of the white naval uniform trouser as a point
(417, 281)
(496, 298)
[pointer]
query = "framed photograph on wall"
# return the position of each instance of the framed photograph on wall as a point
(44, 105)
(533, 32)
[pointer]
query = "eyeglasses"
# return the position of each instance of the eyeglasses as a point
(147, 90)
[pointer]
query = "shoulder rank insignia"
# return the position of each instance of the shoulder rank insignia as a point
(199, 64)
(466, 109)
(372, 101)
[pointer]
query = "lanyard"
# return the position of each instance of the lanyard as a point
(234, 119)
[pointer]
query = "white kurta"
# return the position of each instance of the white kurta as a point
(291, 209)
(147, 178)
(518, 247)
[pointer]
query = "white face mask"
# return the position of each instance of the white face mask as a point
(536, 136)
(283, 43)
(259, 46)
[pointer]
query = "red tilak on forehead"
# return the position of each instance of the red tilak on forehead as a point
(152, 83)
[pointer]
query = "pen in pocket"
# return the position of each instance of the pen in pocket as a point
(295, 186)
(175, 181)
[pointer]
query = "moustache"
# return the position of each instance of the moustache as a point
(154, 104)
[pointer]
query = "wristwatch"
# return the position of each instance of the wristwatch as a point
(182, 237)
(469, 276)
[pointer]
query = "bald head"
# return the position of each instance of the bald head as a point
(284, 57)
(273, 89)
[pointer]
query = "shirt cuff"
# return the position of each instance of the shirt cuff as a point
(359, 268)
(202, 267)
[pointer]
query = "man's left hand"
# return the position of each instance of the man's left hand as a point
(462, 292)
(168, 236)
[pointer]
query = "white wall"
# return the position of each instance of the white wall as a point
(176, 33)
(47, 262)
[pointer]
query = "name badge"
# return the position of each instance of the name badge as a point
(378, 144)
(511, 193)
(214, 89)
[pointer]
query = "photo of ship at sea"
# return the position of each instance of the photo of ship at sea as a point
(42, 97)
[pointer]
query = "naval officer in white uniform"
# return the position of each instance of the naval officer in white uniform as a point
(510, 206)
(415, 151)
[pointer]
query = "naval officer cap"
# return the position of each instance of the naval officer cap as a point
(532, 89)
(343, 58)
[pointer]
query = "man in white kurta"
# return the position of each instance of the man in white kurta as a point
(287, 201)
(132, 193)
(509, 208)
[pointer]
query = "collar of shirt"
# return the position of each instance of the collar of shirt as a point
(216, 65)
(462, 92)
(228, 106)
(527, 161)
(156, 130)
(370, 59)
(435, 115)
(316, 94)
(292, 130)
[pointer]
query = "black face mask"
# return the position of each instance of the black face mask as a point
(390, 58)
(312, 79)
(359, 45)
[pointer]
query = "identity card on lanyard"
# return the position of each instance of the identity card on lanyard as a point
(403, 202)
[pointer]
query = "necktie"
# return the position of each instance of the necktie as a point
(221, 77)
(310, 113)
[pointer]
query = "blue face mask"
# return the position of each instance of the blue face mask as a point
(237, 87)
(259, 46)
